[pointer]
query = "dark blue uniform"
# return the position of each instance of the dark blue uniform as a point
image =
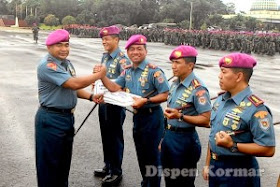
(248, 120)
(54, 122)
(148, 120)
(111, 117)
(181, 147)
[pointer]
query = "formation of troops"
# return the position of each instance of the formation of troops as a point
(245, 42)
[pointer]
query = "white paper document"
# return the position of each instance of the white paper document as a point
(119, 98)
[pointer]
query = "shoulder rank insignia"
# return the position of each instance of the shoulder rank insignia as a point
(152, 66)
(255, 100)
(52, 65)
(196, 83)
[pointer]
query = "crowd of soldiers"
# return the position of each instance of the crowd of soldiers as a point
(245, 42)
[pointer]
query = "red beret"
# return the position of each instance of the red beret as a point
(137, 39)
(183, 51)
(112, 30)
(57, 36)
(237, 60)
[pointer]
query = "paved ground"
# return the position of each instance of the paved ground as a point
(19, 57)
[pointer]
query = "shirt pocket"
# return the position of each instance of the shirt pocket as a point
(146, 89)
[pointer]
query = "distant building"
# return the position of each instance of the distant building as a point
(9, 20)
(267, 11)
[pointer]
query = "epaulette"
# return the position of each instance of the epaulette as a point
(255, 100)
(127, 66)
(195, 83)
(153, 66)
(121, 54)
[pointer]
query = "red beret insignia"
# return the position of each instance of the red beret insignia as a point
(177, 54)
(228, 60)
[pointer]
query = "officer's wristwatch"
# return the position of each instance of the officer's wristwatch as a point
(234, 148)
(148, 101)
(181, 118)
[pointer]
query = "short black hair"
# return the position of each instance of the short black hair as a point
(115, 36)
(190, 59)
(247, 72)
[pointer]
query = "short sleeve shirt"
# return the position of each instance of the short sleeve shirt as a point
(51, 74)
(115, 63)
(144, 80)
(190, 96)
(246, 116)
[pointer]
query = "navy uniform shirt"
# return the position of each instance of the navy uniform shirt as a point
(145, 81)
(246, 116)
(115, 63)
(51, 74)
(190, 96)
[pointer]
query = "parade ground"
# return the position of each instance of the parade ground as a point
(19, 57)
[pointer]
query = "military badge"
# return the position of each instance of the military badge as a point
(128, 78)
(200, 93)
(249, 104)
(228, 60)
(261, 114)
(242, 104)
(255, 100)
(157, 74)
(177, 54)
(105, 32)
(52, 66)
(72, 71)
(142, 40)
(196, 83)
(225, 121)
(237, 110)
(202, 100)
(234, 126)
(160, 79)
(123, 61)
(264, 123)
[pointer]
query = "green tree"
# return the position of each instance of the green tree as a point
(32, 19)
(215, 19)
(184, 24)
(3, 7)
(67, 20)
(51, 20)
(251, 23)
(203, 27)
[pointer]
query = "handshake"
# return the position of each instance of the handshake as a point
(100, 71)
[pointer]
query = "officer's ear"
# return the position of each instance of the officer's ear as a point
(240, 76)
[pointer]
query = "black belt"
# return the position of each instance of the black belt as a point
(52, 109)
(147, 110)
(179, 129)
(215, 156)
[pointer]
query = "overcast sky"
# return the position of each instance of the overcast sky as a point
(243, 5)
